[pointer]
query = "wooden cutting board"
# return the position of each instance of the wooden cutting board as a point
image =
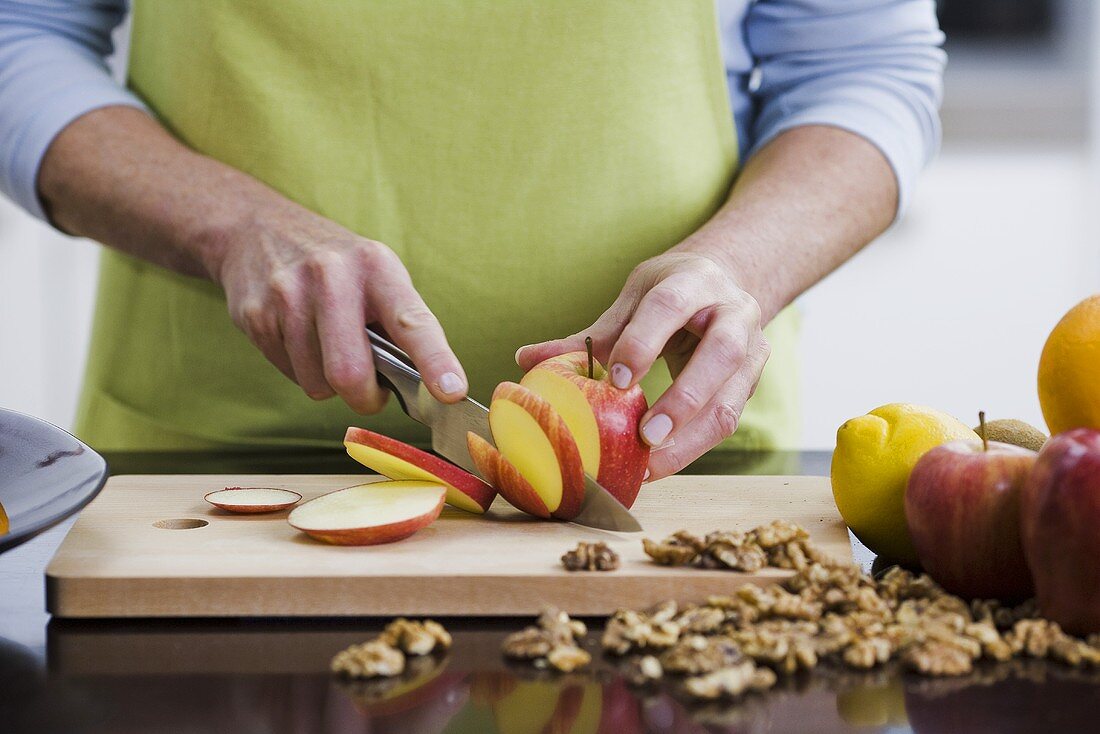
(150, 546)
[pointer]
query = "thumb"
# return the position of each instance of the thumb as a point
(604, 333)
(530, 355)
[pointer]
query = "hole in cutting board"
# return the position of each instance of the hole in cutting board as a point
(181, 523)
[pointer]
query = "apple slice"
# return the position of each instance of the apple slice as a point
(505, 477)
(602, 418)
(533, 438)
(370, 514)
(397, 460)
(253, 500)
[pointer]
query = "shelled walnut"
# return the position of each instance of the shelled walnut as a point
(678, 549)
(730, 682)
(416, 638)
(780, 544)
(369, 659)
(696, 654)
(642, 670)
(938, 659)
(553, 641)
(591, 557)
(628, 630)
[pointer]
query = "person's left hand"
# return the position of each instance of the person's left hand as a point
(685, 307)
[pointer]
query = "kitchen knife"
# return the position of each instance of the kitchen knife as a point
(449, 424)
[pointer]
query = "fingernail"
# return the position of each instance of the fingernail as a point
(520, 350)
(621, 376)
(450, 383)
(656, 429)
(646, 475)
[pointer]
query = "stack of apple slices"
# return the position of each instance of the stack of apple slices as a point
(397, 460)
(559, 422)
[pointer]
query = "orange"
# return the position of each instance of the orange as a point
(1069, 370)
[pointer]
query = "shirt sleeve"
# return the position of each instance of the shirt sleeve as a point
(873, 67)
(52, 70)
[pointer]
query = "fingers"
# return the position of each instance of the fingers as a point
(662, 311)
(262, 327)
(720, 353)
(303, 346)
(530, 355)
(414, 328)
(715, 422)
(604, 332)
(348, 367)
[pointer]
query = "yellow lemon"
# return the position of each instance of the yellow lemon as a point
(1069, 370)
(874, 455)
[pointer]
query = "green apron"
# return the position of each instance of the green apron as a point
(520, 156)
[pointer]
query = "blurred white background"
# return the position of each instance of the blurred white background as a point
(949, 309)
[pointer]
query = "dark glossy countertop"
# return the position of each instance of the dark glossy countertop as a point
(271, 675)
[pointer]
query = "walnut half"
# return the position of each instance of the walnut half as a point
(384, 656)
(416, 638)
(730, 682)
(370, 659)
(553, 641)
(591, 557)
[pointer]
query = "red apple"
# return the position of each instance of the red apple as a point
(370, 514)
(532, 437)
(396, 460)
(602, 419)
(1060, 509)
(962, 505)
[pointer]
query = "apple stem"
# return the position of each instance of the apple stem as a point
(981, 427)
(588, 346)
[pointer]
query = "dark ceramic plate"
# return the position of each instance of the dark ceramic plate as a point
(46, 474)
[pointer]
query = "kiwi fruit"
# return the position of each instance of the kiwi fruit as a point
(1015, 432)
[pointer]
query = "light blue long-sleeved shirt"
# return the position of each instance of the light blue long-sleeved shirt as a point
(873, 67)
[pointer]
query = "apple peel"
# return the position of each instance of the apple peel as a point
(398, 460)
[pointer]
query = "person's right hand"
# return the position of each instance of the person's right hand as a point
(300, 286)
(304, 289)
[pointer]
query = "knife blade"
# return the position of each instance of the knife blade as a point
(449, 423)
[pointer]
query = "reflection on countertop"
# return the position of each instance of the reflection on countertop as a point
(215, 676)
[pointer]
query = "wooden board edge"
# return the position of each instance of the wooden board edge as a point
(319, 597)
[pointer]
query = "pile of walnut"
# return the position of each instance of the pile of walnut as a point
(385, 654)
(826, 612)
(552, 642)
(780, 544)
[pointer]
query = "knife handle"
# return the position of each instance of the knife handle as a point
(395, 371)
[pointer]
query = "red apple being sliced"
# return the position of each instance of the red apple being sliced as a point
(533, 438)
(397, 460)
(499, 472)
(370, 514)
(602, 419)
(253, 500)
